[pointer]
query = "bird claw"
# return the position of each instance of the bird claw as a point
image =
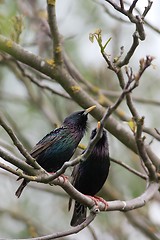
(59, 178)
(97, 199)
(103, 201)
(65, 178)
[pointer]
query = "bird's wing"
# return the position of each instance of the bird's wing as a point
(44, 144)
(74, 174)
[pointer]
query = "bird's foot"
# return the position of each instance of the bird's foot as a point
(65, 178)
(97, 199)
(93, 198)
(60, 178)
(52, 173)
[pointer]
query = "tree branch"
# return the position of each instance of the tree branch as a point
(114, 16)
(17, 162)
(136, 19)
(142, 151)
(133, 5)
(8, 168)
(54, 31)
(141, 175)
(131, 51)
(74, 230)
(18, 144)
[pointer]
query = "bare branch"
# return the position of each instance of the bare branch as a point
(74, 230)
(146, 10)
(114, 16)
(8, 168)
(133, 5)
(142, 151)
(131, 51)
(141, 175)
(40, 84)
(122, 4)
(141, 225)
(16, 162)
(54, 31)
(17, 143)
(137, 19)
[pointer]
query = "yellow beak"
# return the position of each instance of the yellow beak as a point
(98, 125)
(90, 109)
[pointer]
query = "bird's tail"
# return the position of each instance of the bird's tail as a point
(79, 214)
(21, 187)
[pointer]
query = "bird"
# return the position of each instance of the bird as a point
(89, 176)
(58, 146)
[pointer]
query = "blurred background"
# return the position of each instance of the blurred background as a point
(33, 112)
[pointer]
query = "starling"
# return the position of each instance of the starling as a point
(59, 145)
(90, 175)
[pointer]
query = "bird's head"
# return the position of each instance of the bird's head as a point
(78, 119)
(103, 139)
(101, 149)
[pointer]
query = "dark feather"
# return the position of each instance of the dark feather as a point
(43, 145)
(89, 176)
(79, 214)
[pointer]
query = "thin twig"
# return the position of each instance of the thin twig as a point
(40, 84)
(33, 228)
(133, 5)
(39, 187)
(141, 175)
(142, 151)
(136, 19)
(131, 51)
(74, 230)
(114, 16)
(115, 94)
(146, 9)
(119, 19)
(54, 31)
(122, 4)
(17, 143)
(141, 225)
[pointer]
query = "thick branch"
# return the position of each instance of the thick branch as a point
(16, 162)
(8, 168)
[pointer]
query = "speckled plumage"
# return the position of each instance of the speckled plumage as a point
(59, 145)
(89, 176)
